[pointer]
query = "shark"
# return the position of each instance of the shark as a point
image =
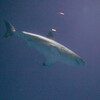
(53, 51)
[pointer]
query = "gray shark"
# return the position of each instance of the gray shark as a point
(52, 50)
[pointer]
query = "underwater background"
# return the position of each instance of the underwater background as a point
(77, 24)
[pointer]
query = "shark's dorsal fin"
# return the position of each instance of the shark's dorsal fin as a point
(50, 35)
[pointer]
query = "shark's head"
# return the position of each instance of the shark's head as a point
(71, 58)
(74, 61)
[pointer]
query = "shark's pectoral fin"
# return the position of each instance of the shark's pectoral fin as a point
(54, 50)
(53, 58)
(49, 62)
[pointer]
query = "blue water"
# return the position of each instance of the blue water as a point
(22, 75)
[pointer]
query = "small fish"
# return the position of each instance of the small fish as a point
(52, 50)
(61, 13)
(54, 30)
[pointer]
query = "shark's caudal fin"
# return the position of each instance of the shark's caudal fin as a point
(10, 29)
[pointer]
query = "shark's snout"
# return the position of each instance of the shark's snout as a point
(80, 61)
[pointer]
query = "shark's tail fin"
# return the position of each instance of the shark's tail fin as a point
(10, 29)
